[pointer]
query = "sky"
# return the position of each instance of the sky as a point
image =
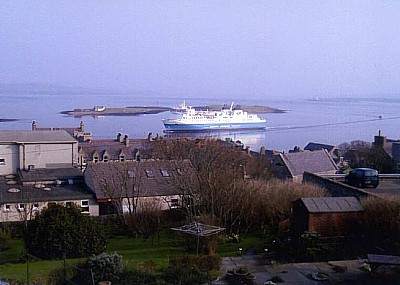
(208, 48)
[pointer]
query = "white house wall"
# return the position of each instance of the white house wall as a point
(14, 214)
(45, 155)
(154, 203)
(9, 152)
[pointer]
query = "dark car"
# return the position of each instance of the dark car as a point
(363, 177)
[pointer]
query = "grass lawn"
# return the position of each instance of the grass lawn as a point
(135, 251)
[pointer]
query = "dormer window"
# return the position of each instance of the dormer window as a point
(121, 158)
(106, 157)
(95, 159)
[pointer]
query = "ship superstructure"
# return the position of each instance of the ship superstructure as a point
(225, 119)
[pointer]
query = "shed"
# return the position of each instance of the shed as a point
(329, 216)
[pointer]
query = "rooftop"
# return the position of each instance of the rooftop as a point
(332, 204)
(317, 161)
(58, 136)
(16, 193)
(128, 179)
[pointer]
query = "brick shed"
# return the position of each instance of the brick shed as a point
(329, 216)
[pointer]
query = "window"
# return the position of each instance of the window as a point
(7, 208)
(21, 207)
(50, 204)
(69, 204)
(2, 161)
(149, 174)
(174, 203)
(105, 158)
(95, 159)
(35, 207)
(85, 206)
(122, 158)
(164, 173)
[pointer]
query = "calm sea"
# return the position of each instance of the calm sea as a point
(329, 121)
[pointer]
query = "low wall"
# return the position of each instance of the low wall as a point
(336, 189)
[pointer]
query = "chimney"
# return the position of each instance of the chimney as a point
(82, 126)
(262, 150)
(247, 149)
(126, 140)
(119, 137)
(34, 125)
(379, 141)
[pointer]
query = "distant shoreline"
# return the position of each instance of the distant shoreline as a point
(8, 120)
(141, 110)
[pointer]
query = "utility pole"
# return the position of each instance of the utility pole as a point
(27, 267)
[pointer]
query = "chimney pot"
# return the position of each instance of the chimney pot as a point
(126, 140)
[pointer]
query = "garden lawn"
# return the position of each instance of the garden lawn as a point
(135, 251)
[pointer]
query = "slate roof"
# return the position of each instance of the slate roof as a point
(318, 161)
(332, 204)
(33, 194)
(312, 146)
(144, 179)
(48, 174)
(59, 136)
(113, 148)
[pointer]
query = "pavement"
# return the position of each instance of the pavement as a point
(300, 273)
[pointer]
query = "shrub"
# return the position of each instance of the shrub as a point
(106, 266)
(63, 232)
(381, 221)
(192, 269)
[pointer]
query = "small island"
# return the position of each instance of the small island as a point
(122, 111)
(140, 110)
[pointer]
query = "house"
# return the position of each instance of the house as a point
(36, 149)
(390, 146)
(329, 216)
(293, 165)
(78, 133)
(26, 193)
(132, 186)
(312, 146)
(108, 150)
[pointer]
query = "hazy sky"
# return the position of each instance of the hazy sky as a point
(205, 48)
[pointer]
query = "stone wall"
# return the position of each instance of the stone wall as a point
(335, 189)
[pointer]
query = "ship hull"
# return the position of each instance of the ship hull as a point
(176, 127)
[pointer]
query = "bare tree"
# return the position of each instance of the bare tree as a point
(213, 182)
(123, 189)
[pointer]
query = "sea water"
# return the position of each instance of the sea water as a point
(329, 121)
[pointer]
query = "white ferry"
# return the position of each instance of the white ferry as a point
(226, 119)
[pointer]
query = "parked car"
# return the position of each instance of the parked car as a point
(363, 177)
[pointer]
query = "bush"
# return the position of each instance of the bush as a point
(381, 221)
(192, 269)
(63, 232)
(106, 266)
(135, 276)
